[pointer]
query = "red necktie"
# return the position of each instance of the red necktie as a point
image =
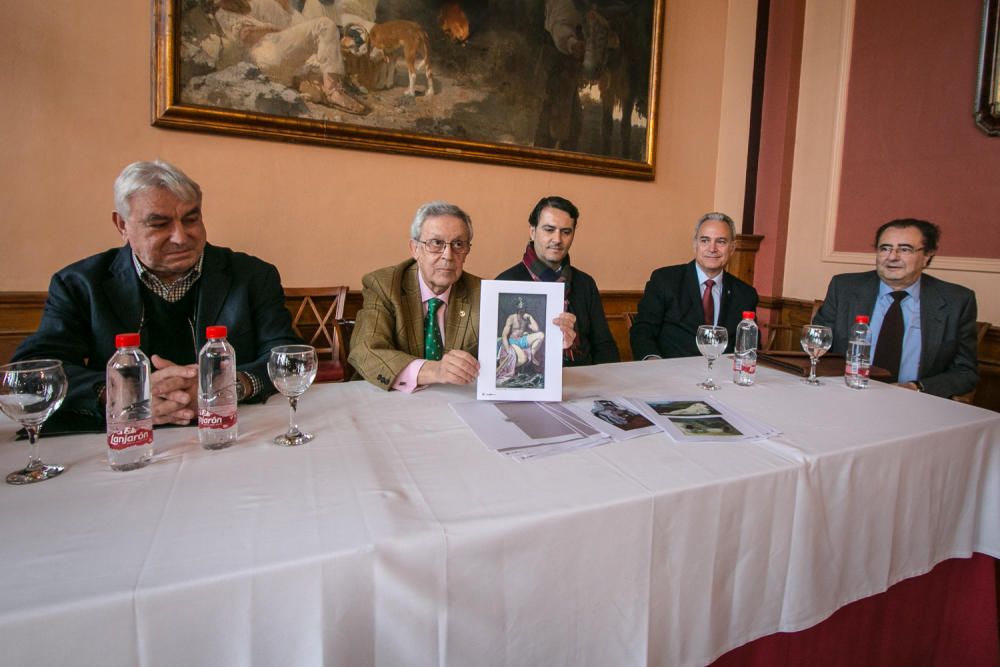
(708, 302)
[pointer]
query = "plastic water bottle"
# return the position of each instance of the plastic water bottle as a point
(129, 410)
(745, 349)
(216, 391)
(857, 364)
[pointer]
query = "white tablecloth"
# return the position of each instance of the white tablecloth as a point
(397, 538)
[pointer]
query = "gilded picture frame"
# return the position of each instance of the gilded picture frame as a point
(515, 82)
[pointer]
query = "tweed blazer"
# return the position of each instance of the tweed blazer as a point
(948, 360)
(389, 329)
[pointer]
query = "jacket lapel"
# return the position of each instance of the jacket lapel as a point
(457, 322)
(863, 302)
(691, 308)
(933, 315)
(214, 286)
(726, 303)
(414, 307)
(121, 287)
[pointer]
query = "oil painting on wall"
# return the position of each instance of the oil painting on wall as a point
(560, 84)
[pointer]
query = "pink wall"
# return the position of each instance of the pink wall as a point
(76, 109)
(911, 147)
(777, 145)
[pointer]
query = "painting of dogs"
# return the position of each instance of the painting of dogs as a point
(394, 39)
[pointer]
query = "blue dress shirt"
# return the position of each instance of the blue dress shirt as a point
(909, 364)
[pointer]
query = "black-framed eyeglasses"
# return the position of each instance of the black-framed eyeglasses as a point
(902, 250)
(437, 246)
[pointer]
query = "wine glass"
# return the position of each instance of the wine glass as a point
(292, 369)
(30, 391)
(711, 343)
(816, 340)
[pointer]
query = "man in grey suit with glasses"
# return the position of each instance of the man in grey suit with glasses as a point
(923, 328)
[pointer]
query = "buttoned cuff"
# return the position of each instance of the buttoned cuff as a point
(256, 385)
(406, 381)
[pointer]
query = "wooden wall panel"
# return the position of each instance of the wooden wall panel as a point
(20, 313)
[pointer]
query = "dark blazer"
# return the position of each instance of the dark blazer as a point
(948, 364)
(91, 301)
(597, 345)
(670, 312)
(389, 329)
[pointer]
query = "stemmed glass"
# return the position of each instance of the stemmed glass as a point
(292, 369)
(711, 343)
(30, 391)
(816, 340)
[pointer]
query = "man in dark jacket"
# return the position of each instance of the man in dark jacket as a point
(678, 299)
(552, 228)
(167, 284)
(929, 325)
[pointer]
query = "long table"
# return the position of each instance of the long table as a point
(397, 538)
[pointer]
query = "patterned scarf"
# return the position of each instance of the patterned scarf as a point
(543, 273)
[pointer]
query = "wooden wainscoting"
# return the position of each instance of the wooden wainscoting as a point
(20, 313)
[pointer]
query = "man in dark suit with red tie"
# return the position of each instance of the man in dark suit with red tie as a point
(923, 328)
(678, 299)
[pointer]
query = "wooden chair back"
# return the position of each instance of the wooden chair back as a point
(316, 316)
(969, 397)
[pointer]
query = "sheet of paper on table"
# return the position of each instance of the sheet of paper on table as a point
(701, 419)
(527, 430)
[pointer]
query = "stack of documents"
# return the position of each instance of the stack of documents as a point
(528, 430)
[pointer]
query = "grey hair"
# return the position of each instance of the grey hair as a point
(156, 174)
(719, 217)
(435, 209)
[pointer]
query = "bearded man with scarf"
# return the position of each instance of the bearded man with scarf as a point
(552, 228)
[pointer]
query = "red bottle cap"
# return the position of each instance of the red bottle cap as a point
(215, 332)
(749, 314)
(127, 340)
(861, 319)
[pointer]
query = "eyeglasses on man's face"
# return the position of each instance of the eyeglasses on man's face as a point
(437, 246)
(902, 250)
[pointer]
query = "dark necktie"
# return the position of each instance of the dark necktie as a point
(433, 348)
(708, 302)
(889, 346)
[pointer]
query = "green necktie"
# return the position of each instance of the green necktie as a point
(433, 348)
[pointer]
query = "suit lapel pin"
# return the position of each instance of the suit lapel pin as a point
(461, 313)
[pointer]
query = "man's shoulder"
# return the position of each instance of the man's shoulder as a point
(388, 275)
(672, 275)
(953, 291)
(858, 279)
(517, 272)
(581, 277)
(674, 270)
(91, 268)
(240, 261)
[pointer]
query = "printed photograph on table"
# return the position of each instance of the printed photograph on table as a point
(523, 360)
(554, 84)
(619, 415)
(683, 408)
(714, 426)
